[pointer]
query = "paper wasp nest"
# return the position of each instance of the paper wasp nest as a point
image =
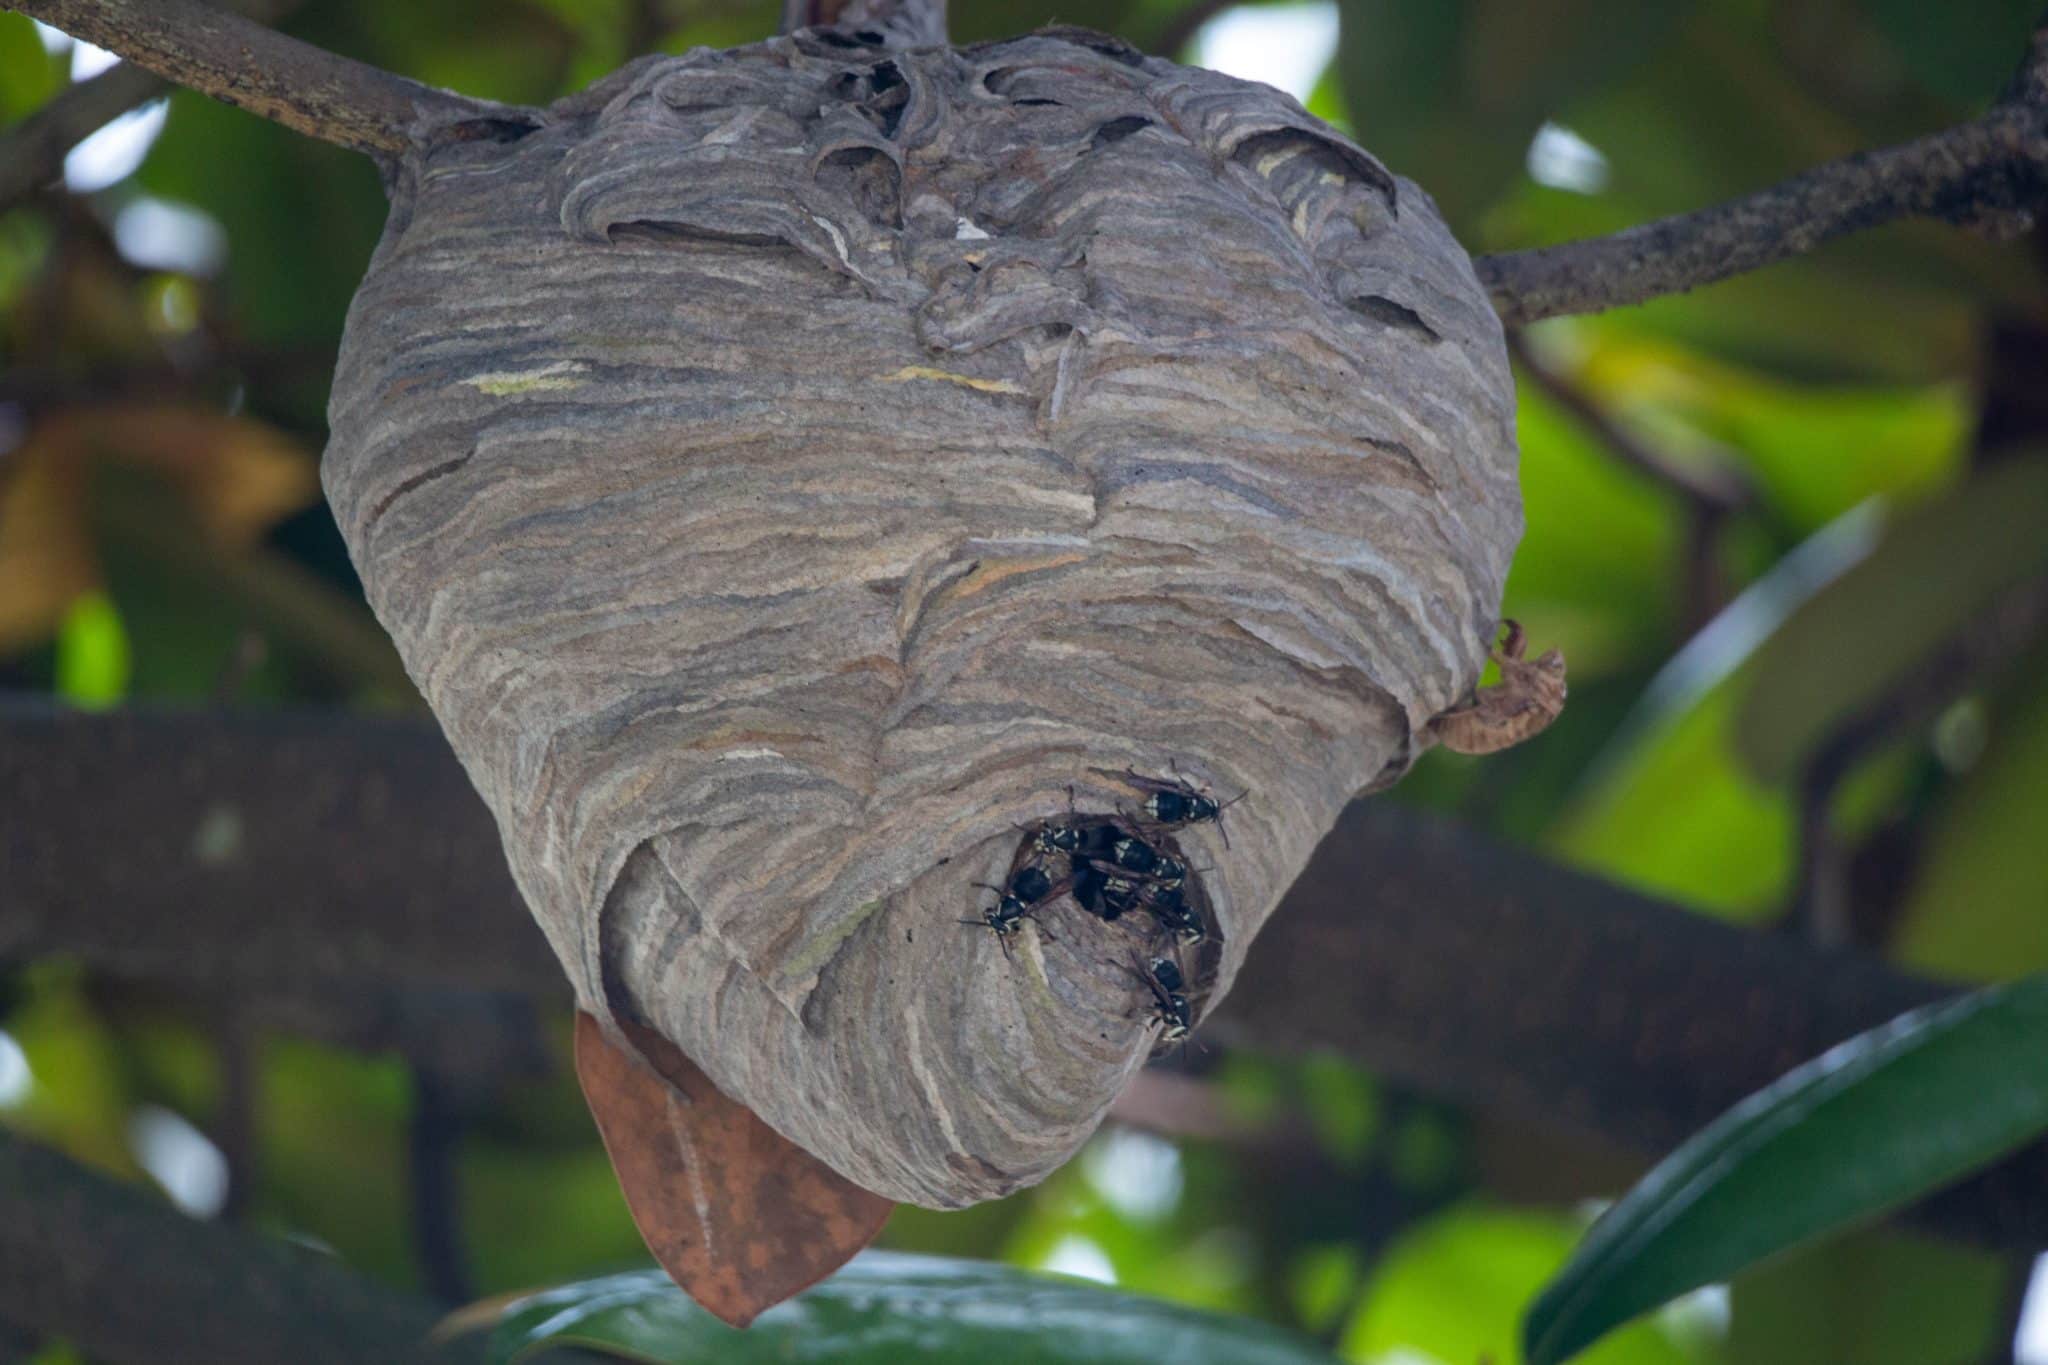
(786, 471)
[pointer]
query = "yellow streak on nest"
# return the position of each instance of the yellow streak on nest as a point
(555, 376)
(927, 372)
(814, 954)
(1275, 159)
(993, 572)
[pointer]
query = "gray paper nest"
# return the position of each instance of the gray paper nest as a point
(785, 471)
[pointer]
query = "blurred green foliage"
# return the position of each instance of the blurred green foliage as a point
(1848, 389)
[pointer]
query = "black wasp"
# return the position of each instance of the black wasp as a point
(1169, 1000)
(1028, 890)
(1137, 856)
(1105, 892)
(1169, 905)
(1071, 840)
(1177, 802)
(1136, 875)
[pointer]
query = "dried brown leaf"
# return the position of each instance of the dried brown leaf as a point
(737, 1214)
(238, 476)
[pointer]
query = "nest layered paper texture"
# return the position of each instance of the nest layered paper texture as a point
(789, 469)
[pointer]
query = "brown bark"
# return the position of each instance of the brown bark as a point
(32, 152)
(1437, 956)
(1990, 174)
(240, 62)
(128, 1280)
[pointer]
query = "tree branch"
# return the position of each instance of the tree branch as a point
(32, 152)
(906, 23)
(131, 1281)
(1180, 30)
(242, 63)
(1991, 172)
(1720, 487)
(1436, 956)
(1491, 977)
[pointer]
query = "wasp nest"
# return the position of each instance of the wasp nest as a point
(812, 480)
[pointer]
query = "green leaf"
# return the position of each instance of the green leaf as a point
(29, 73)
(93, 659)
(1885, 1117)
(1852, 641)
(891, 1307)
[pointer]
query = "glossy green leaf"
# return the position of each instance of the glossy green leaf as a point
(1849, 644)
(1870, 1125)
(895, 1309)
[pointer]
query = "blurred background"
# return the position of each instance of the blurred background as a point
(1787, 531)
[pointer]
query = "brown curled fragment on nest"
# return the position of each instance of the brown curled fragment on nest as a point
(1529, 696)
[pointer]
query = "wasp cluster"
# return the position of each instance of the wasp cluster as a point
(1114, 867)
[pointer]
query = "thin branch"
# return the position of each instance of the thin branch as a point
(1180, 30)
(1720, 487)
(130, 1281)
(905, 23)
(1467, 969)
(1711, 494)
(1990, 173)
(1981, 649)
(242, 63)
(32, 152)
(434, 1179)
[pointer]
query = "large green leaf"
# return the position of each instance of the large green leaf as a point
(888, 1307)
(1885, 1117)
(1854, 639)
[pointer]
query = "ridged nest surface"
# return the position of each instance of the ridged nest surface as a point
(795, 474)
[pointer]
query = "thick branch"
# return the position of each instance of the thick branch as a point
(128, 1279)
(1494, 978)
(1428, 952)
(1991, 173)
(242, 63)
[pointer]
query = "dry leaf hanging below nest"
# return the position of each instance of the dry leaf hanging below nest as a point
(792, 473)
